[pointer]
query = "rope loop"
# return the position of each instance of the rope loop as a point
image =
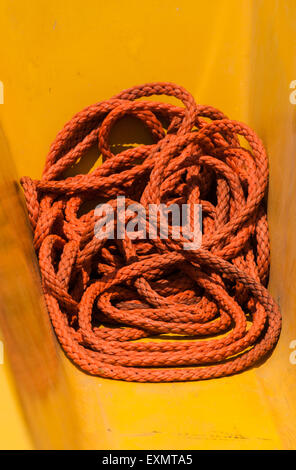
(202, 312)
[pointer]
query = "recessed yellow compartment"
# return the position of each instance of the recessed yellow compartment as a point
(57, 57)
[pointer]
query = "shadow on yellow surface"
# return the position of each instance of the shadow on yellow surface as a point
(59, 58)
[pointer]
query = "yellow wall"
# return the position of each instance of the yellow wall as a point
(14, 434)
(238, 55)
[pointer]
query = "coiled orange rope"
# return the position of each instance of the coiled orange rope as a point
(102, 295)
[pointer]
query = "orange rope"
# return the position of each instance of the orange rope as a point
(102, 295)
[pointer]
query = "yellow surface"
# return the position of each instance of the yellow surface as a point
(14, 434)
(237, 55)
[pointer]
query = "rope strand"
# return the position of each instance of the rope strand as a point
(206, 311)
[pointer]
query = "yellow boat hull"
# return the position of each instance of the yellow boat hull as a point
(58, 58)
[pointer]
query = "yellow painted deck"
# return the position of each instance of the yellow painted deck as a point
(59, 56)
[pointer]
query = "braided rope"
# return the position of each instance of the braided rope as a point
(103, 296)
